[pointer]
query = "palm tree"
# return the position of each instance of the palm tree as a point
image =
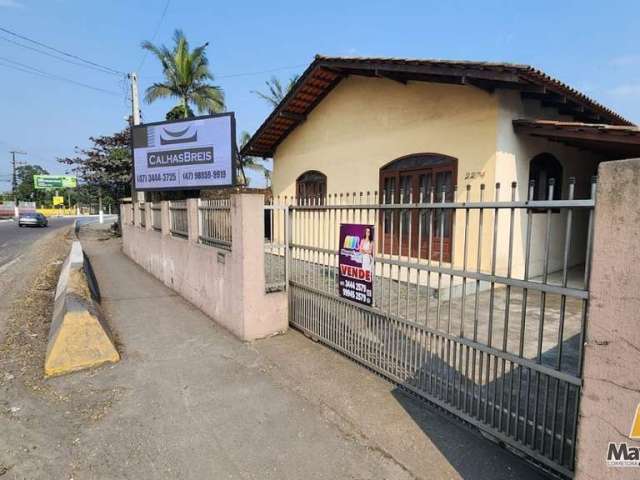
(252, 163)
(186, 77)
(276, 91)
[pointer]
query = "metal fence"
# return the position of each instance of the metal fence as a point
(479, 304)
(156, 216)
(275, 246)
(141, 212)
(215, 223)
(178, 218)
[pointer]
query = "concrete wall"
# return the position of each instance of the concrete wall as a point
(229, 286)
(611, 391)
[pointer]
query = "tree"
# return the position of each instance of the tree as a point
(25, 190)
(252, 163)
(105, 167)
(276, 91)
(178, 112)
(186, 75)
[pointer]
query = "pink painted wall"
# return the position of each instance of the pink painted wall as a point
(227, 285)
(611, 390)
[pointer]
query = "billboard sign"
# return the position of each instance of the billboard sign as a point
(48, 182)
(58, 201)
(356, 262)
(184, 154)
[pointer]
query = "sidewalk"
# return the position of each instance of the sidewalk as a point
(193, 402)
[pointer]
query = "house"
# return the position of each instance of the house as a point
(403, 128)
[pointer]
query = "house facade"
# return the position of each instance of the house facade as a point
(398, 130)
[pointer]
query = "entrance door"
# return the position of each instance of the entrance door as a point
(425, 232)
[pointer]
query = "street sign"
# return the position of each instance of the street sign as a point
(47, 182)
(185, 154)
(355, 262)
(58, 201)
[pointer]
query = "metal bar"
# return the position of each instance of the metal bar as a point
(545, 273)
(565, 377)
(485, 277)
(534, 204)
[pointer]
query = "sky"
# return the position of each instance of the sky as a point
(593, 46)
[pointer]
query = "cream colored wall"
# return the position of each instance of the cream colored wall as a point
(514, 152)
(365, 123)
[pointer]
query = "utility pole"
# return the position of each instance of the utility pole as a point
(14, 164)
(14, 180)
(135, 98)
(135, 116)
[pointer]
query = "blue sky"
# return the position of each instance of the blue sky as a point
(592, 45)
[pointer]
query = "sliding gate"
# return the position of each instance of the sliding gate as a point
(494, 336)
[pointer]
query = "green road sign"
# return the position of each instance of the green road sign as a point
(46, 182)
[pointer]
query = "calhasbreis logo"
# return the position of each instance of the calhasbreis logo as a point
(187, 135)
(622, 454)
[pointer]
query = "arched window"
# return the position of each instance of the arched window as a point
(418, 178)
(542, 168)
(311, 186)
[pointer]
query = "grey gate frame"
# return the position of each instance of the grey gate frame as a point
(500, 351)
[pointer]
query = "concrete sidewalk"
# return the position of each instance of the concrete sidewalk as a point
(192, 402)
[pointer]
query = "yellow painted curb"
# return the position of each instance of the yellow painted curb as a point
(79, 337)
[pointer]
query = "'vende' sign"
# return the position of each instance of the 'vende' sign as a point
(355, 261)
(194, 153)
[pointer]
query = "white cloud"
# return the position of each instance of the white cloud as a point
(628, 90)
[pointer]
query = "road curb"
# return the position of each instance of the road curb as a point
(79, 336)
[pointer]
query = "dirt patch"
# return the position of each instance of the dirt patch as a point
(29, 317)
(39, 415)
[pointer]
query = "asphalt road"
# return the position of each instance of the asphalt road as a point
(14, 241)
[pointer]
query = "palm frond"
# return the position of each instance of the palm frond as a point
(186, 75)
(159, 90)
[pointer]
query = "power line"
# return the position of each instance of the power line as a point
(61, 52)
(72, 62)
(155, 33)
(36, 71)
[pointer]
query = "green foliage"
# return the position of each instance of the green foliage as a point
(276, 91)
(104, 167)
(25, 190)
(187, 77)
(177, 112)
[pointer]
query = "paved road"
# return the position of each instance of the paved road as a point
(14, 241)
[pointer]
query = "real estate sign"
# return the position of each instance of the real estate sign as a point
(184, 154)
(48, 182)
(355, 262)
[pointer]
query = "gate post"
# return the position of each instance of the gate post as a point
(611, 376)
(259, 314)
